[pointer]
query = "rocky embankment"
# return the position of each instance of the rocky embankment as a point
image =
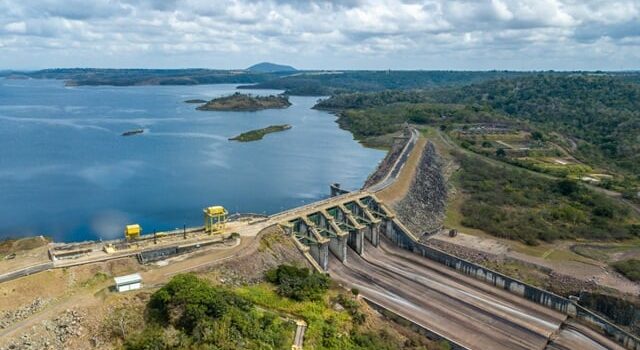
(56, 333)
(12, 316)
(423, 208)
(389, 160)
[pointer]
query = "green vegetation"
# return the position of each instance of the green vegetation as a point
(127, 77)
(630, 268)
(190, 313)
(378, 121)
(298, 283)
(601, 113)
(197, 100)
(258, 134)
(244, 102)
(329, 328)
(515, 204)
(328, 83)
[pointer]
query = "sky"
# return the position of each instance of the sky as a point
(350, 34)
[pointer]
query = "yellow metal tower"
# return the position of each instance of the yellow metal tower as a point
(132, 231)
(215, 219)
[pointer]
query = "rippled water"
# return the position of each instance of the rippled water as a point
(66, 171)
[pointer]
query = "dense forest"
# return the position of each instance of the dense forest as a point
(329, 83)
(601, 114)
(127, 77)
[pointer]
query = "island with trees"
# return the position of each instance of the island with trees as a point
(246, 102)
(258, 134)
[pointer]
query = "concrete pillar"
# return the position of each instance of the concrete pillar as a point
(356, 238)
(374, 237)
(388, 230)
(338, 246)
(323, 255)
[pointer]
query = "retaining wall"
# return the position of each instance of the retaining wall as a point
(25, 271)
(399, 235)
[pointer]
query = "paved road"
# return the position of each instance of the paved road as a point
(465, 310)
(398, 165)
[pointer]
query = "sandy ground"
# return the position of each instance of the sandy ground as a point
(24, 258)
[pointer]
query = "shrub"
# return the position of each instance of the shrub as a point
(298, 283)
(629, 268)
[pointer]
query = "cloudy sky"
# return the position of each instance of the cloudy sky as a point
(349, 34)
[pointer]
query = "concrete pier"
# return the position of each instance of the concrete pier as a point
(347, 221)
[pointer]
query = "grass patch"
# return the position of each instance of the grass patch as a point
(258, 134)
(629, 268)
(94, 280)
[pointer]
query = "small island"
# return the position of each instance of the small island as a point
(245, 102)
(197, 100)
(258, 134)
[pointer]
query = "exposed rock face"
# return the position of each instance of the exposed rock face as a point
(389, 160)
(52, 334)
(423, 208)
(10, 317)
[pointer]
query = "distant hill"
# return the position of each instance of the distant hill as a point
(266, 67)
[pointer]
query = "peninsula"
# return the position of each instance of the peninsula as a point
(245, 102)
(258, 134)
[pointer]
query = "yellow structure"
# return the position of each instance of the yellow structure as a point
(132, 231)
(215, 219)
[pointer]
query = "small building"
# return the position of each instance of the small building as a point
(128, 282)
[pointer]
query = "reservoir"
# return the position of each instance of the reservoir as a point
(67, 172)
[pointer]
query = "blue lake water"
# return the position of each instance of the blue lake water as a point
(66, 171)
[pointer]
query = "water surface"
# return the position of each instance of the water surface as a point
(66, 171)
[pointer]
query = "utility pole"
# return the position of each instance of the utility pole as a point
(155, 237)
(184, 231)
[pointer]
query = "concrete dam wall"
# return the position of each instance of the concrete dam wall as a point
(399, 235)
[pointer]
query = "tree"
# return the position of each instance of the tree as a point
(537, 135)
(500, 152)
(298, 283)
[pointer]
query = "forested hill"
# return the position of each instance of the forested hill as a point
(328, 83)
(601, 111)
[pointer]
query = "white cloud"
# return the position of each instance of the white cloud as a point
(429, 34)
(16, 27)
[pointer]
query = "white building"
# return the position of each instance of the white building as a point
(128, 282)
